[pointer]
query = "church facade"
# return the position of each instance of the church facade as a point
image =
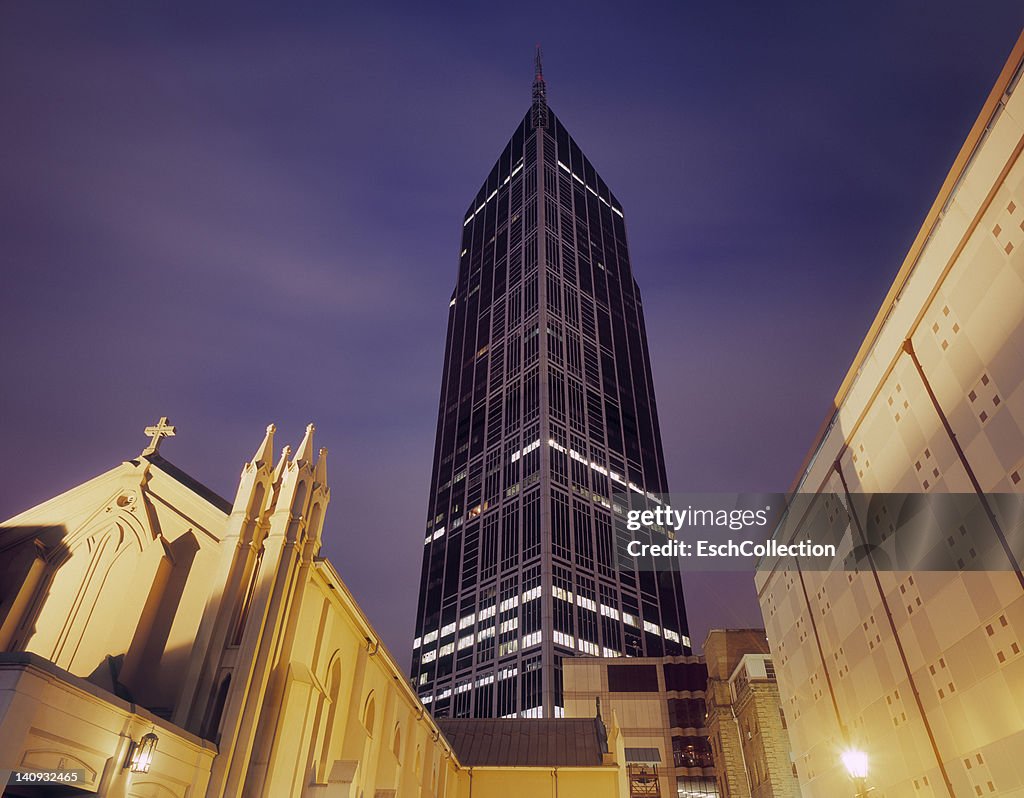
(157, 641)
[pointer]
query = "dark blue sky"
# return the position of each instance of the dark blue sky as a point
(248, 214)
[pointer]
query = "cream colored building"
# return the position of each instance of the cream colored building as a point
(157, 641)
(924, 671)
(660, 706)
(746, 725)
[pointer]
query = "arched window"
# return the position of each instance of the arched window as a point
(315, 519)
(369, 713)
(396, 743)
(299, 503)
(213, 719)
(255, 512)
(334, 696)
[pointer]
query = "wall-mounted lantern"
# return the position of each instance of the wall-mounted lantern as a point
(140, 754)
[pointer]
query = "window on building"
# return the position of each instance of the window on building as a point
(691, 752)
(369, 713)
(686, 676)
(696, 787)
(632, 678)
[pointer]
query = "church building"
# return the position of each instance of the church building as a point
(158, 641)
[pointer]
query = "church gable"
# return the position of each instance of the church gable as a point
(109, 580)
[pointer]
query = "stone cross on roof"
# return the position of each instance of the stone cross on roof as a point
(162, 429)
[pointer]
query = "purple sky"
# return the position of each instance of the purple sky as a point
(249, 214)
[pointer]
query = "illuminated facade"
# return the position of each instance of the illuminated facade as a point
(660, 704)
(547, 411)
(923, 672)
(746, 725)
(160, 642)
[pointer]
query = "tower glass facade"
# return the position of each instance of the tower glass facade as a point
(547, 414)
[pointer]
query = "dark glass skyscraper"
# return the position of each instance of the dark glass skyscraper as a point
(547, 417)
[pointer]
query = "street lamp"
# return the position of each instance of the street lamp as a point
(856, 763)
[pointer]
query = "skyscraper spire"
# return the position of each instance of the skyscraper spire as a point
(539, 117)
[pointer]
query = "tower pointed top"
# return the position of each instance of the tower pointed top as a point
(265, 452)
(305, 450)
(539, 115)
(286, 453)
(320, 474)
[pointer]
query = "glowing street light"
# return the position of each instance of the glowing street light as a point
(856, 764)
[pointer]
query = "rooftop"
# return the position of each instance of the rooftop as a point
(525, 742)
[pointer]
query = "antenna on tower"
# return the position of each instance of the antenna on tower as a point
(539, 115)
